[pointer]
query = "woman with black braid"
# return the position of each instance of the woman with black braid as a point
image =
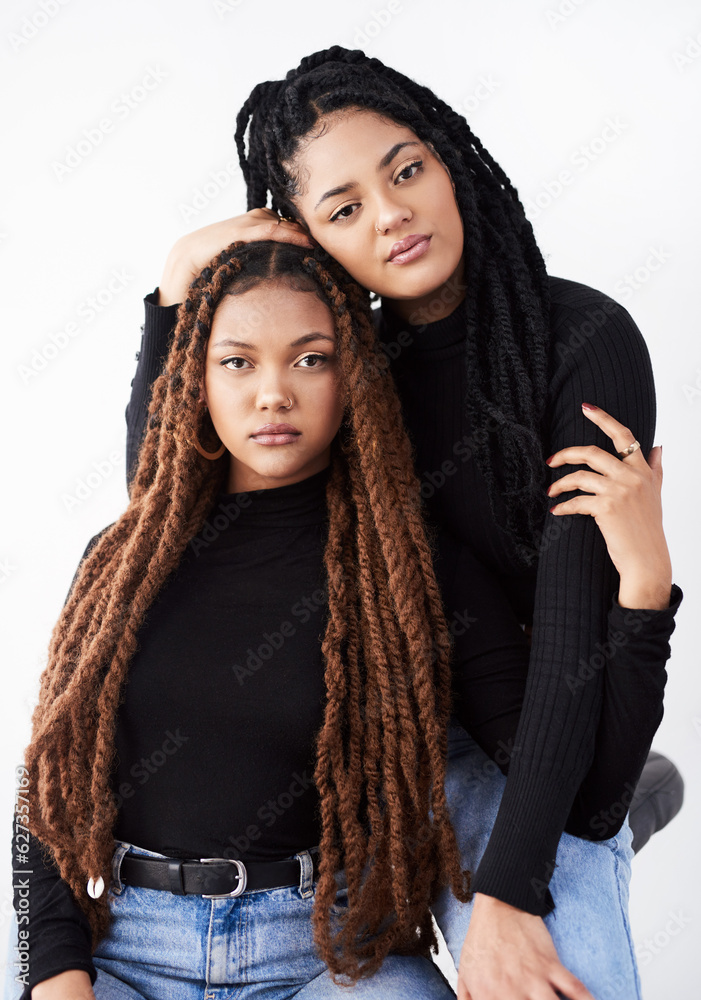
(494, 361)
(262, 479)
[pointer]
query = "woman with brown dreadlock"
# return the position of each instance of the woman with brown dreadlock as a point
(498, 366)
(275, 479)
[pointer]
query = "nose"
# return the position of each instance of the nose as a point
(272, 394)
(391, 213)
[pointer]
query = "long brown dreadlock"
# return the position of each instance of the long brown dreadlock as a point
(507, 304)
(382, 747)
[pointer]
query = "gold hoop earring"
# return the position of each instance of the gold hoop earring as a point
(211, 455)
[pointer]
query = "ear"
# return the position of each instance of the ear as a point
(296, 218)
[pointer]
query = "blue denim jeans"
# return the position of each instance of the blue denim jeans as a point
(257, 945)
(260, 944)
(589, 925)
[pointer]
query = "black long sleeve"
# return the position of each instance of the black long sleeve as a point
(158, 326)
(632, 663)
(491, 656)
(52, 925)
(58, 935)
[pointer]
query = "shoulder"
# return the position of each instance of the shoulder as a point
(573, 304)
(589, 327)
(598, 355)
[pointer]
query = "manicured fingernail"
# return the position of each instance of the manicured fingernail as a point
(551, 509)
(589, 406)
(549, 460)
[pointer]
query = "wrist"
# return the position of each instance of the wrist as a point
(73, 984)
(175, 280)
(486, 902)
(645, 592)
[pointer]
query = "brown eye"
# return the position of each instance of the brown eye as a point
(319, 360)
(410, 166)
(339, 215)
(225, 362)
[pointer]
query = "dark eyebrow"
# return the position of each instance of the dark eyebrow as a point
(228, 342)
(384, 162)
(306, 339)
(309, 337)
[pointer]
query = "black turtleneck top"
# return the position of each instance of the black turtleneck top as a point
(573, 734)
(224, 696)
(227, 686)
(583, 714)
(225, 692)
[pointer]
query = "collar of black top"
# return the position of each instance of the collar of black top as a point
(211, 877)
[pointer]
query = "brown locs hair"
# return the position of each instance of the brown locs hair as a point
(382, 747)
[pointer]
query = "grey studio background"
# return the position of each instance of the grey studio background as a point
(118, 138)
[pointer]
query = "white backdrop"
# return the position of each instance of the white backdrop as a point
(118, 138)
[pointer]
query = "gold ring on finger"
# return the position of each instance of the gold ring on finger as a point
(629, 450)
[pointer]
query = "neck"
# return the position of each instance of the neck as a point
(435, 305)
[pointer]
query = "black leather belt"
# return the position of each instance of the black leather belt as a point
(213, 878)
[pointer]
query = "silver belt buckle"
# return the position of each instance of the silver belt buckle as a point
(243, 878)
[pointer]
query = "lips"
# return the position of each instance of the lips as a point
(276, 434)
(406, 243)
(276, 429)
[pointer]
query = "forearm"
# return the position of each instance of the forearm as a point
(176, 278)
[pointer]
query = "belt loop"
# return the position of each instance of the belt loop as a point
(120, 851)
(175, 877)
(306, 876)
